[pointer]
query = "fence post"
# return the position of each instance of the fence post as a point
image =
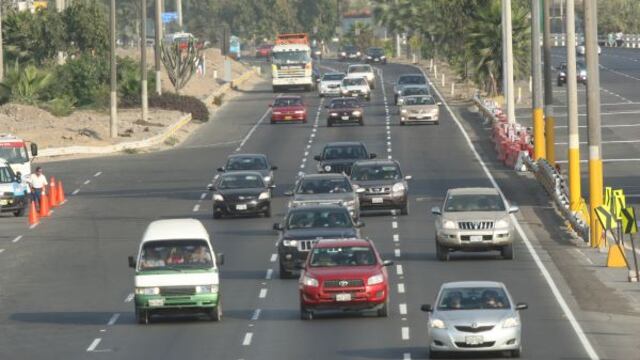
(443, 82)
(453, 88)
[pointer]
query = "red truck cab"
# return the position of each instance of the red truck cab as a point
(344, 275)
(288, 108)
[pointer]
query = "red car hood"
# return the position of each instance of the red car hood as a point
(343, 272)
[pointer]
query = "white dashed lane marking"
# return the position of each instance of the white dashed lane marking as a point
(396, 252)
(399, 269)
(113, 319)
(256, 315)
(204, 195)
(394, 224)
(263, 293)
(401, 288)
(196, 207)
(405, 333)
(247, 339)
(75, 192)
(1, 251)
(86, 182)
(406, 356)
(16, 239)
(274, 257)
(94, 344)
(403, 309)
(269, 274)
(396, 237)
(128, 298)
(97, 174)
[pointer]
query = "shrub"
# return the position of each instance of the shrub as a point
(82, 78)
(62, 106)
(26, 84)
(187, 104)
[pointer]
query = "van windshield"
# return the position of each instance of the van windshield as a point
(14, 154)
(175, 255)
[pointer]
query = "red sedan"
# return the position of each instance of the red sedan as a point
(288, 108)
(264, 51)
(344, 275)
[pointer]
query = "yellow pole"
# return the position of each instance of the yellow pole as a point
(574, 178)
(595, 199)
(550, 132)
(539, 149)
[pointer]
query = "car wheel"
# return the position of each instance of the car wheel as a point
(19, 213)
(384, 310)
(216, 312)
(361, 122)
(373, 86)
(515, 353)
(437, 122)
(284, 274)
(435, 354)
(305, 314)
(329, 124)
(267, 213)
(442, 253)
(559, 83)
(142, 316)
(402, 123)
(217, 214)
(507, 252)
(395, 99)
(405, 209)
(304, 121)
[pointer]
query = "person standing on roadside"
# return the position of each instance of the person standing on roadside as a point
(38, 183)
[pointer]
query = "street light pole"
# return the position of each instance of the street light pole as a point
(158, 41)
(593, 117)
(539, 150)
(179, 11)
(143, 61)
(1, 49)
(113, 119)
(510, 94)
(572, 110)
(550, 121)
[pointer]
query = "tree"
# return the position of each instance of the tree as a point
(87, 27)
(180, 63)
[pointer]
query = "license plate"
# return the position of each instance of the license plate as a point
(343, 297)
(354, 94)
(377, 200)
(241, 207)
(4, 202)
(475, 238)
(287, 117)
(156, 302)
(473, 340)
(345, 118)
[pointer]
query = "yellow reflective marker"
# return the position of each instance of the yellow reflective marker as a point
(619, 202)
(615, 257)
(607, 197)
(606, 218)
(629, 221)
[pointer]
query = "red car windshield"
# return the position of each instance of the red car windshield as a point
(342, 256)
(284, 102)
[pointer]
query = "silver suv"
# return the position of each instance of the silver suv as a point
(474, 219)
(325, 189)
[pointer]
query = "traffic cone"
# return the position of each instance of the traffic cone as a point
(60, 189)
(53, 199)
(44, 205)
(33, 214)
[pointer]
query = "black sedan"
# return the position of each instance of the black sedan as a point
(251, 162)
(344, 111)
(375, 56)
(338, 157)
(241, 193)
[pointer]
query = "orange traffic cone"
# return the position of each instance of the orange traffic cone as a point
(60, 189)
(33, 214)
(53, 199)
(44, 205)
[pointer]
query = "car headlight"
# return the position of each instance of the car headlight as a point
(356, 113)
(358, 53)
(277, 113)
(206, 289)
(343, 53)
(218, 197)
(375, 279)
(309, 281)
(501, 224)
(345, 91)
(403, 111)
(510, 322)
(583, 73)
(267, 179)
(327, 168)
(334, 114)
(293, 243)
(562, 73)
(437, 324)
(264, 195)
(299, 112)
(398, 187)
(448, 224)
(368, 57)
(147, 290)
(399, 92)
(383, 57)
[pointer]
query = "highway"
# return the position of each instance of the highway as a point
(65, 288)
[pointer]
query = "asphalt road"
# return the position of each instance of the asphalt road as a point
(65, 288)
(620, 110)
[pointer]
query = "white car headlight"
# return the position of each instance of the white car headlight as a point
(345, 91)
(368, 57)
(501, 224)
(403, 111)
(343, 53)
(206, 289)
(293, 243)
(510, 322)
(356, 113)
(398, 187)
(358, 53)
(583, 73)
(382, 57)
(437, 324)
(264, 196)
(267, 179)
(148, 290)
(277, 113)
(334, 114)
(375, 279)
(218, 197)
(299, 112)
(327, 168)
(309, 281)
(448, 224)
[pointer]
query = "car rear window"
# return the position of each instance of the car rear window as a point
(415, 91)
(343, 103)
(319, 218)
(473, 202)
(342, 256)
(287, 102)
(375, 172)
(246, 163)
(332, 77)
(344, 152)
(232, 181)
(359, 69)
(354, 81)
(420, 100)
(412, 79)
(489, 298)
(337, 185)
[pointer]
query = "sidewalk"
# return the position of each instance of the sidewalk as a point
(605, 303)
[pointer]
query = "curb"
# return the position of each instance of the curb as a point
(208, 100)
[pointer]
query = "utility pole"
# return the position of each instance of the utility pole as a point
(593, 117)
(143, 61)
(550, 121)
(539, 150)
(1, 50)
(158, 41)
(59, 8)
(510, 97)
(572, 110)
(113, 119)
(179, 11)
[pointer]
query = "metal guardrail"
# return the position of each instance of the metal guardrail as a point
(631, 41)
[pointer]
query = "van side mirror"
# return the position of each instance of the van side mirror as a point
(317, 158)
(220, 259)
(521, 306)
(426, 308)
(132, 262)
(274, 168)
(373, 156)
(513, 209)
(221, 169)
(436, 211)
(387, 263)
(34, 149)
(277, 227)
(359, 224)
(408, 177)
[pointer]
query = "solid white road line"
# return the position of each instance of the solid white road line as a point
(246, 138)
(16, 239)
(263, 293)
(256, 315)
(94, 344)
(113, 319)
(405, 333)
(401, 288)
(577, 328)
(1, 251)
(403, 309)
(274, 257)
(97, 174)
(247, 339)
(269, 274)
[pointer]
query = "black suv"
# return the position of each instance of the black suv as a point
(304, 226)
(338, 157)
(382, 183)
